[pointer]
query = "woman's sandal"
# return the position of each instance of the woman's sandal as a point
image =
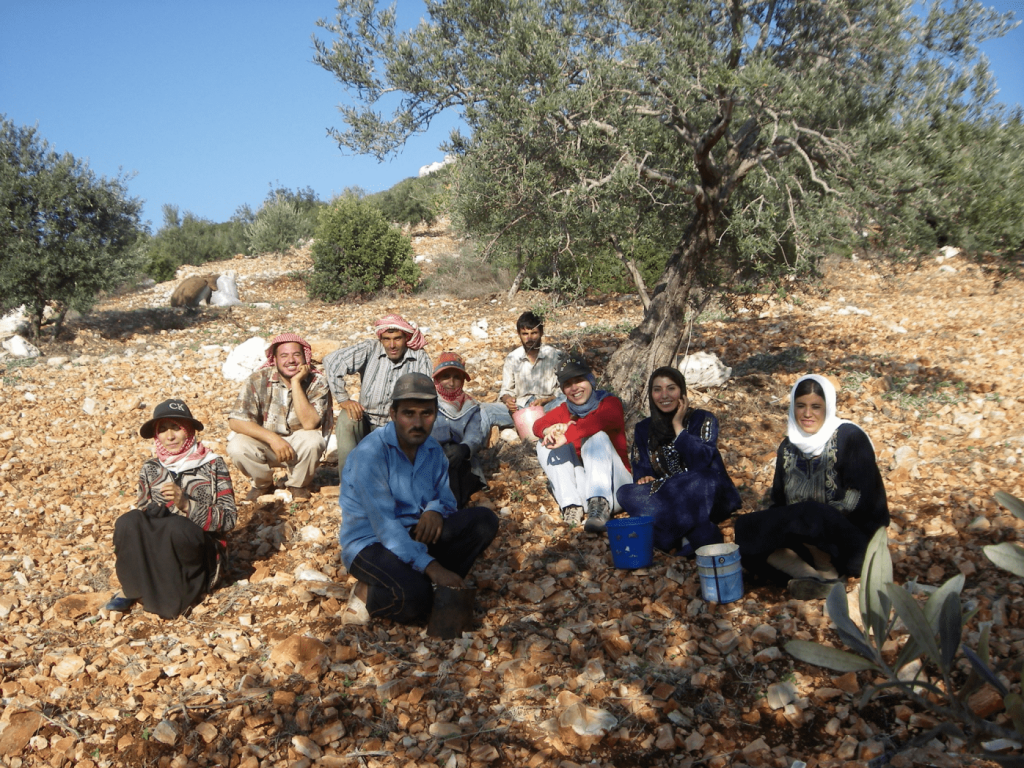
(810, 588)
(355, 613)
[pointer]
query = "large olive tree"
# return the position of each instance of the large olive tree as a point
(65, 233)
(573, 105)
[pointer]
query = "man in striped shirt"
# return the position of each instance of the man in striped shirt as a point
(397, 350)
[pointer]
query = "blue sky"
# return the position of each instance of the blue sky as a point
(210, 103)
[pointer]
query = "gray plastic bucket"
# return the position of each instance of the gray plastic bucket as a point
(721, 579)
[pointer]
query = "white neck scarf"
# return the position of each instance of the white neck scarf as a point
(813, 445)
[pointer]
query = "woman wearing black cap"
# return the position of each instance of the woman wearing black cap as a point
(583, 447)
(170, 548)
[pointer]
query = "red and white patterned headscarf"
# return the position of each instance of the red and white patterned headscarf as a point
(284, 338)
(192, 454)
(414, 337)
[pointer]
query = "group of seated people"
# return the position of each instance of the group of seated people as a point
(408, 457)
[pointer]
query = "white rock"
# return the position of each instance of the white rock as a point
(284, 495)
(509, 435)
(15, 321)
(244, 359)
(479, 330)
(704, 369)
(781, 694)
(89, 406)
(56, 362)
(310, 574)
(19, 347)
(165, 732)
(310, 533)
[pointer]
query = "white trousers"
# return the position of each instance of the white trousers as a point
(257, 461)
(597, 472)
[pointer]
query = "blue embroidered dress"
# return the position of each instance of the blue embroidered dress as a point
(691, 491)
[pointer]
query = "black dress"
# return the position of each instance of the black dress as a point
(834, 501)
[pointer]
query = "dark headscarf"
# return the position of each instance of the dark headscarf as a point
(662, 432)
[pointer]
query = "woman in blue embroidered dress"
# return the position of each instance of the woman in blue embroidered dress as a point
(828, 499)
(679, 477)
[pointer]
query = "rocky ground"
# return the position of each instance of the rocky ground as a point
(261, 673)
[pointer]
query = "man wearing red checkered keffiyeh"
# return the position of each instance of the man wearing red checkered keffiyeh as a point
(397, 350)
(282, 418)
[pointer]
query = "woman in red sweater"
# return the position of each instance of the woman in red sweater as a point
(583, 447)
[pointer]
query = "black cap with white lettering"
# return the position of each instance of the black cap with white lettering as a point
(169, 409)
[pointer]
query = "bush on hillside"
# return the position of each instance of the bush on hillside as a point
(412, 201)
(189, 239)
(284, 220)
(355, 251)
(465, 276)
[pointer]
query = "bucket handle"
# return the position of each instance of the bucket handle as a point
(718, 587)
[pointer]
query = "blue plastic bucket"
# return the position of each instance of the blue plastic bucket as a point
(721, 579)
(632, 541)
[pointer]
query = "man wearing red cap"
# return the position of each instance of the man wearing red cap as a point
(380, 362)
(282, 418)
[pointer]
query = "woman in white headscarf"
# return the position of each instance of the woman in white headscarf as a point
(171, 548)
(828, 499)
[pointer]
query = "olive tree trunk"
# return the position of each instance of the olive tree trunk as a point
(662, 332)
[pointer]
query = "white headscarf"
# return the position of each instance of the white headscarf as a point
(813, 445)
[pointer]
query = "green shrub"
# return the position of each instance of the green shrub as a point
(189, 239)
(355, 251)
(412, 201)
(283, 221)
(463, 276)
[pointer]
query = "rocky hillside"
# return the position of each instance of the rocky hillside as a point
(261, 674)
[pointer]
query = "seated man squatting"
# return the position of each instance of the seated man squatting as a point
(282, 418)
(400, 530)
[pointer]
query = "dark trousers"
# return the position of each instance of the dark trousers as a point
(397, 591)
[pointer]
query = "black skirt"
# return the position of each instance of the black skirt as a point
(758, 534)
(164, 560)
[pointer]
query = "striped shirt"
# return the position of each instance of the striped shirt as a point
(377, 375)
(525, 380)
(266, 400)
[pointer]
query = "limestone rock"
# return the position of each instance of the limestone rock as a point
(20, 347)
(703, 369)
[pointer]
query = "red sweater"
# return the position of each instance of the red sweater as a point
(607, 417)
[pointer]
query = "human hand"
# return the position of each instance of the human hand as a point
(442, 577)
(284, 452)
(645, 480)
(541, 401)
(680, 414)
(428, 529)
(300, 376)
(555, 438)
(510, 402)
(352, 408)
(456, 452)
(173, 495)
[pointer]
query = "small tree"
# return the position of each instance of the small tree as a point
(65, 233)
(355, 251)
(284, 220)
